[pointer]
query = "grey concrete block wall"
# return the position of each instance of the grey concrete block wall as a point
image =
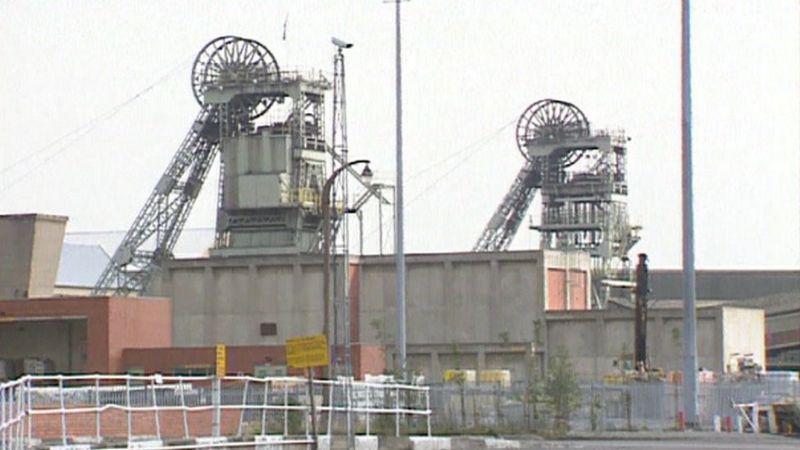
(457, 298)
(595, 339)
(227, 299)
(30, 250)
(465, 310)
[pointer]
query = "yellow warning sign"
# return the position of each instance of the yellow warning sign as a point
(222, 363)
(307, 351)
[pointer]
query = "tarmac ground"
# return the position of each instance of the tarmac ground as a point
(666, 440)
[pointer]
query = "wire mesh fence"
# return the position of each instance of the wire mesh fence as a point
(126, 408)
(108, 408)
(600, 407)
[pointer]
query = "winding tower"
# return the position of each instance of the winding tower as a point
(268, 126)
(583, 183)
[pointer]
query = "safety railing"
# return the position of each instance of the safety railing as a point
(106, 408)
(13, 411)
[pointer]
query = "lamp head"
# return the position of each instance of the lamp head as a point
(340, 43)
(366, 174)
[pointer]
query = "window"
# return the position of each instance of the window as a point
(269, 329)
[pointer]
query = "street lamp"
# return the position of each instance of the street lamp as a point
(366, 175)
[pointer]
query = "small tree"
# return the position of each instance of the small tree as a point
(533, 395)
(561, 390)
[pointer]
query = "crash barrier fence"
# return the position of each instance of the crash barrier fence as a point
(596, 407)
(66, 409)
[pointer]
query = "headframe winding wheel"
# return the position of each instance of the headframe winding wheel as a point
(232, 59)
(550, 121)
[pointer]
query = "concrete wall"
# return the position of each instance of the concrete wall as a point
(30, 249)
(595, 339)
(460, 298)
(744, 332)
(475, 303)
(225, 300)
(465, 310)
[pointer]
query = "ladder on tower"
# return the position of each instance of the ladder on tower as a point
(499, 232)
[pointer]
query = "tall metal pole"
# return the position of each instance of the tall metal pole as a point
(400, 259)
(689, 308)
(325, 204)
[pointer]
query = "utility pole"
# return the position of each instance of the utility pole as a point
(640, 323)
(400, 259)
(689, 307)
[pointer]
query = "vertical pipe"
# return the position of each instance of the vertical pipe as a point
(369, 404)
(330, 407)
(8, 405)
(97, 405)
(3, 418)
(13, 411)
(244, 408)
(396, 410)
(311, 403)
(21, 416)
(285, 409)
(428, 408)
(183, 409)
(689, 309)
(63, 411)
(400, 259)
(128, 404)
(155, 407)
(8, 431)
(264, 408)
(30, 410)
(380, 226)
(360, 216)
(216, 399)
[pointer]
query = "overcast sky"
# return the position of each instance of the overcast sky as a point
(470, 68)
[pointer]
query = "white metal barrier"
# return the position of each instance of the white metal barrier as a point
(13, 411)
(103, 408)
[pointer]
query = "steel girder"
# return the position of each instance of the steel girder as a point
(153, 234)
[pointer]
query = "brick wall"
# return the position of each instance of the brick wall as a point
(137, 323)
(114, 424)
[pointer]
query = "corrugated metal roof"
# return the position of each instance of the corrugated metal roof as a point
(81, 265)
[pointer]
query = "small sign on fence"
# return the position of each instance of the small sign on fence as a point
(222, 363)
(307, 351)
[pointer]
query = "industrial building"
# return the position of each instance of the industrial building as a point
(471, 311)
(280, 265)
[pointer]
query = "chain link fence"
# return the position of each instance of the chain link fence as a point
(602, 407)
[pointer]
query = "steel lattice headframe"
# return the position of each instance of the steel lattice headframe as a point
(546, 121)
(151, 238)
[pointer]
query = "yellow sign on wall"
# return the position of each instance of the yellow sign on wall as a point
(307, 351)
(222, 363)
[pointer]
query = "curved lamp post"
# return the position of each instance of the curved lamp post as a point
(366, 174)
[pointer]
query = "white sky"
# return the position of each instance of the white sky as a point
(470, 68)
